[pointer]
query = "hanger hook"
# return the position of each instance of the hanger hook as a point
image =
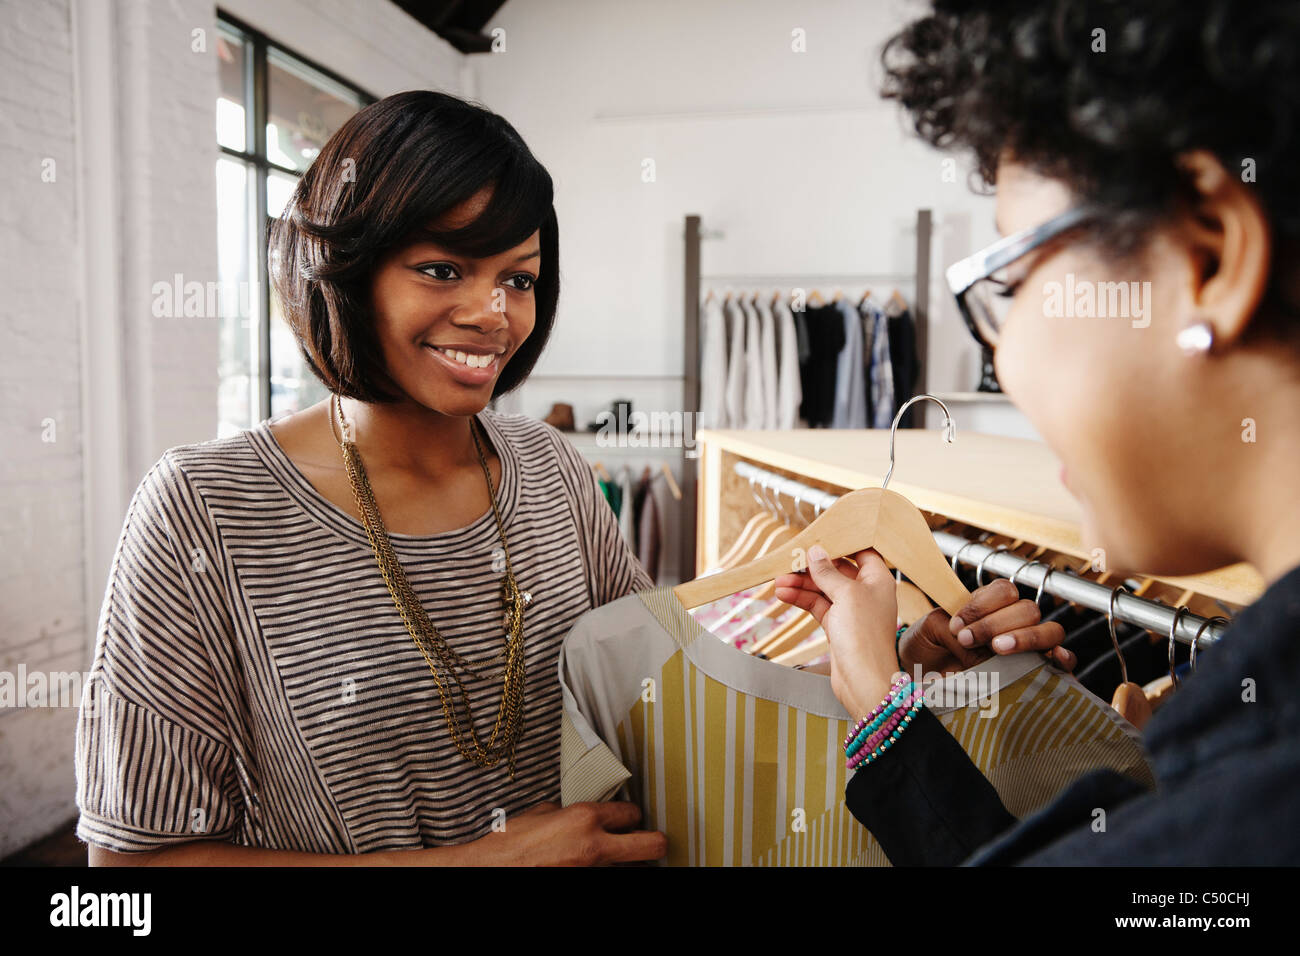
(1027, 564)
(767, 496)
(958, 554)
(949, 429)
(1217, 619)
(785, 518)
(1043, 583)
(979, 569)
(1110, 620)
(1173, 630)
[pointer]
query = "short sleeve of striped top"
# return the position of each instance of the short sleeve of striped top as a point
(253, 681)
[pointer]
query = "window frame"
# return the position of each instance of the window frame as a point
(254, 156)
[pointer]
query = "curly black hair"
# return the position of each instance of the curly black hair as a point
(1029, 76)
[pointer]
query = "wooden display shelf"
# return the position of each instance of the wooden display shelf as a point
(1008, 486)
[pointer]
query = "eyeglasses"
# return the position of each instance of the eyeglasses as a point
(984, 296)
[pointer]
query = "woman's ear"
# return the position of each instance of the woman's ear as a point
(1228, 234)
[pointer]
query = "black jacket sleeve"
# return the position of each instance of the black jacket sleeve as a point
(924, 801)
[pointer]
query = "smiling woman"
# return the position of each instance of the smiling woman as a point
(336, 635)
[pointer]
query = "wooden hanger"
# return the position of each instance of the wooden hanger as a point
(1129, 699)
(866, 294)
(600, 470)
(815, 298)
(867, 518)
(763, 599)
(791, 646)
(787, 636)
(912, 603)
(673, 487)
(745, 541)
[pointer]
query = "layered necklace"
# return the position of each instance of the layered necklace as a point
(447, 666)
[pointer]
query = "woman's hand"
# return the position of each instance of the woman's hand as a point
(996, 621)
(582, 834)
(858, 609)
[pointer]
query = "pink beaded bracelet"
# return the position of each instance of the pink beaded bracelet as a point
(899, 683)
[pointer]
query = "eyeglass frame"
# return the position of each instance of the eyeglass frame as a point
(964, 274)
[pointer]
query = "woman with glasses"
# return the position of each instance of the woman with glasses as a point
(1142, 311)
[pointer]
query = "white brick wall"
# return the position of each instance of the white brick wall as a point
(41, 602)
(147, 214)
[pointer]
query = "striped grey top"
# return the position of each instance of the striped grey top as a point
(254, 682)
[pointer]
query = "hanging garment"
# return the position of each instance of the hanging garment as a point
(626, 511)
(767, 339)
(825, 325)
(671, 519)
(905, 365)
(713, 365)
(789, 392)
(801, 335)
(868, 326)
(850, 379)
(649, 526)
(738, 760)
(735, 398)
(754, 398)
(882, 370)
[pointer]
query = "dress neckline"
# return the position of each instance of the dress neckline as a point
(331, 516)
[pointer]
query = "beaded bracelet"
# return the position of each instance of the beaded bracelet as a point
(883, 724)
(887, 736)
(884, 738)
(897, 685)
(895, 703)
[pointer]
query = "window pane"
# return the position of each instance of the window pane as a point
(304, 108)
(293, 385)
(231, 121)
(279, 188)
(240, 302)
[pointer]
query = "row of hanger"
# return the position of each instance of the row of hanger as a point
(673, 488)
(815, 297)
(896, 529)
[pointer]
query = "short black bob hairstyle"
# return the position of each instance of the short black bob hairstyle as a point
(393, 169)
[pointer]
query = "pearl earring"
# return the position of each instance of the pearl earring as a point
(1196, 339)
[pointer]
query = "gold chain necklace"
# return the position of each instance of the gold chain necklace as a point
(510, 713)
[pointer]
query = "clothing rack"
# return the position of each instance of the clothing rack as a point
(1129, 608)
(693, 236)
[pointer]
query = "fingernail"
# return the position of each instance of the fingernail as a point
(817, 553)
(1004, 642)
(956, 624)
(965, 638)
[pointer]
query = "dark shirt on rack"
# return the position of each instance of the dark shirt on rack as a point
(817, 374)
(1225, 750)
(904, 361)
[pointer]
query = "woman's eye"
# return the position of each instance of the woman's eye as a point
(439, 270)
(526, 280)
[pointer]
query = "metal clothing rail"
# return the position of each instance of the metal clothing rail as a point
(1145, 613)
